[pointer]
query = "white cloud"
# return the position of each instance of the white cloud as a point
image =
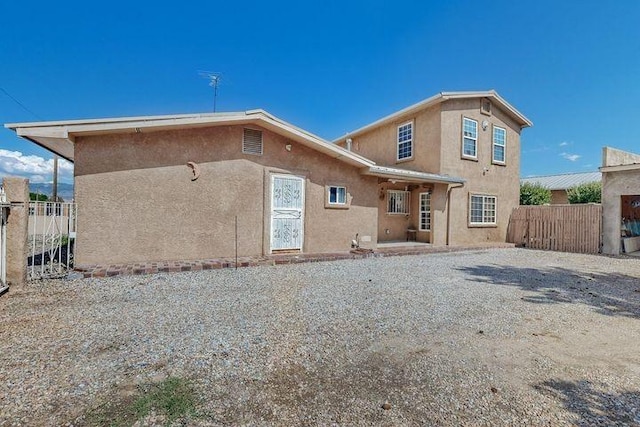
(563, 144)
(570, 157)
(36, 168)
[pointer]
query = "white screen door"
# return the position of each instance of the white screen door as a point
(287, 212)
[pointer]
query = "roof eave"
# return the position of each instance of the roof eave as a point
(59, 137)
(521, 119)
(410, 176)
(620, 168)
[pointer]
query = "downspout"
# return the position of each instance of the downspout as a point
(449, 188)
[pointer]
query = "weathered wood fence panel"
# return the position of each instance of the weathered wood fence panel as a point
(565, 228)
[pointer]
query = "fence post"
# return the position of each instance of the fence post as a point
(17, 193)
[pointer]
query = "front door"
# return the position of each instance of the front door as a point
(287, 212)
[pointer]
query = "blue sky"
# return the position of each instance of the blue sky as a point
(572, 67)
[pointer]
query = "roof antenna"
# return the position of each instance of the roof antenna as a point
(214, 81)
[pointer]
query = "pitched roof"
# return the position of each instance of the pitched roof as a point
(59, 137)
(563, 181)
(438, 98)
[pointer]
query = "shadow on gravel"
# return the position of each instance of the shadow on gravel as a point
(592, 406)
(609, 294)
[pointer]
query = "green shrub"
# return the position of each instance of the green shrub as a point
(37, 197)
(534, 194)
(590, 192)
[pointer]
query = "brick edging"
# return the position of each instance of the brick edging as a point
(141, 268)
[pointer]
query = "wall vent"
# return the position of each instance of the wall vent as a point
(252, 142)
(485, 106)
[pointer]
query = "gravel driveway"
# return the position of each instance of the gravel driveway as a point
(490, 337)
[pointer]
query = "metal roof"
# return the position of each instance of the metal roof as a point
(563, 181)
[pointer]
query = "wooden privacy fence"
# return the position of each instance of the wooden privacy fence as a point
(565, 228)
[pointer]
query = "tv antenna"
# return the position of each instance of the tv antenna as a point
(214, 81)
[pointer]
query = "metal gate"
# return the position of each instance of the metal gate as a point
(52, 235)
(4, 207)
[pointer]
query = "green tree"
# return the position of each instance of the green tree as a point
(37, 197)
(534, 194)
(590, 192)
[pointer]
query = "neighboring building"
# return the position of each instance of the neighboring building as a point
(198, 186)
(559, 184)
(620, 201)
(471, 135)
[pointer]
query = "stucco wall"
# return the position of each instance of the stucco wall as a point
(381, 144)
(438, 149)
(136, 200)
(17, 249)
(614, 185)
(559, 197)
(393, 227)
(614, 157)
(482, 175)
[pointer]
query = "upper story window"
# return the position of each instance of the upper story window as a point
(469, 138)
(405, 141)
(482, 210)
(337, 195)
(398, 202)
(252, 142)
(499, 145)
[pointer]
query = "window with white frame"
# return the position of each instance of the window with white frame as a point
(425, 211)
(337, 195)
(469, 138)
(499, 144)
(252, 142)
(405, 141)
(398, 202)
(482, 210)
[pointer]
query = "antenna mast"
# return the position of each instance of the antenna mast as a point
(214, 81)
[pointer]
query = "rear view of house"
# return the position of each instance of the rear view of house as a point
(472, 136)
(202, 186)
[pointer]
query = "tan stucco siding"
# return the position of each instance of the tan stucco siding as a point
(438, 149)
(614, 157)
(615, 185)
(482, 175)
(381, 144)
(159, 214)
(393, 227)
(137, 202)
(559, 197)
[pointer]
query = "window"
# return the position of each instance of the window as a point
(482, 210)
(337, 195)
(499, 144)
(425, 211)
(405, 141)
(252, 142)
(398, 202)
(469, 138)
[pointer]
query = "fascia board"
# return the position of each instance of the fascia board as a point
(391, 173)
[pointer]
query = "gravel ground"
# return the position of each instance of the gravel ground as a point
(491, 337)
